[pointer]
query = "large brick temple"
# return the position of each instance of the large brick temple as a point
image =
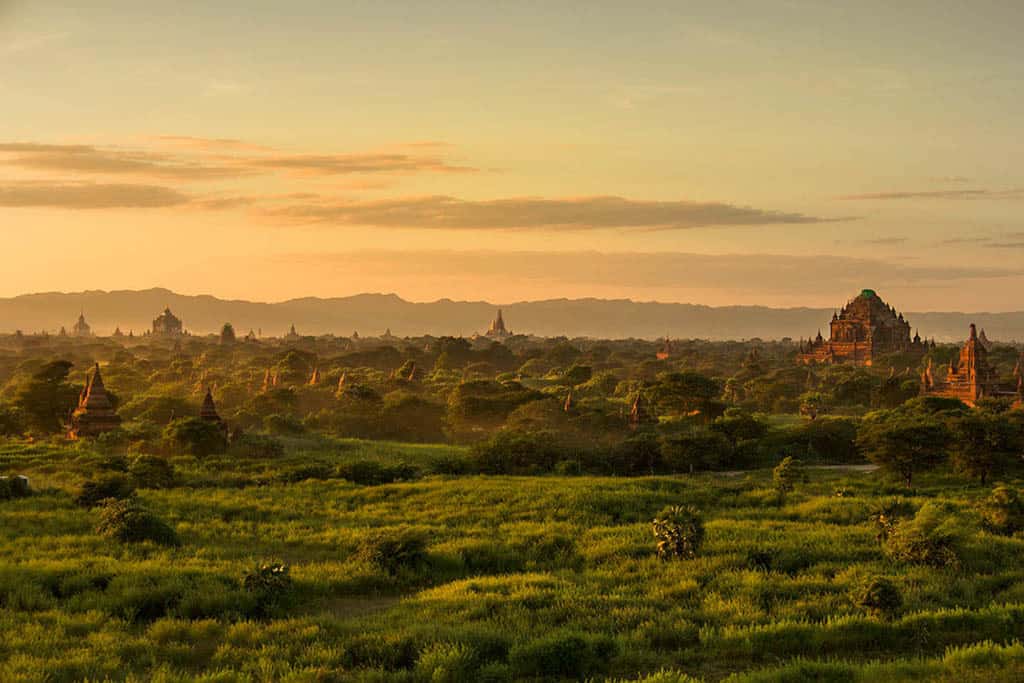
(863, 330)
(969, 377)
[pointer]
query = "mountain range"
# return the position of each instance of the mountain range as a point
(372, 314)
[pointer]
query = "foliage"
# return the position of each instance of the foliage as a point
(985, 442)
(679, 531)
(904, 445)
(46, 399)
(270, 582)
(880, 597)
(787, 474)
(128, 521)
(151, 472)
(394, 551)
(933, 537)
(93, 491)
(1003, 511)
(196, 437)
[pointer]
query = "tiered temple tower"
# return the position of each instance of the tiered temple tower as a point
(208, 412)
(968, 378)
(95, 413)
(497, 328)
(167, 325)
(81, 328)
(863, 330)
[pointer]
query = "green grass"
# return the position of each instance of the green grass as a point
(523, 577)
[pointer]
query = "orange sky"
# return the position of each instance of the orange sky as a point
(782, 157)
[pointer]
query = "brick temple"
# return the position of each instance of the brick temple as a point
(969, 377)
(865, 329)
(95, 413)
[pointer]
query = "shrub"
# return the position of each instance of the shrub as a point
(1003, 511)
(196, 437)
(270, 582)
(116, 486)
(787, 474)
(151, 472)
(563, 655)
(679, 531)
(372, 473)
(283, 424)
(886, 516)
(314, 470)
(250, 445)
(932, 537)
(394, 549)
(129, 522)
(879, 596)
(759, 560)
(446, 663)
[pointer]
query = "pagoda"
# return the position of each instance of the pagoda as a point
(864, 329)
(81, 328)
(95, 413)
(497, 328)
(208, 412)
(167, 325)
(968, 377)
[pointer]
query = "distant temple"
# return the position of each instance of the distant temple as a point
(497, 328)
(167, 325)
(95, 413)
(863, 330)
(117, 333)
(968, 378)
(292, 334)
(81, 328)
(208, 412)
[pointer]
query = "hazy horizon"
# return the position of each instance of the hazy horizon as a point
(782, 155)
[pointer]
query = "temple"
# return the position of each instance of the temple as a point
(208, 412)
(167, 325)
(968, 378)
(81, 328)
(863, 330)
(497, 328)
(95, 413)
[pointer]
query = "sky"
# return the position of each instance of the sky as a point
(786, 154)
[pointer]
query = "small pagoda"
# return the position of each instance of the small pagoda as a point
(208, 412)
(497, 329)
(95, 413)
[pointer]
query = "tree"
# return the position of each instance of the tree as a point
(1003, 511)
(880, 597)
(985, 442)
(196, 436)
(683, 392)
(47, 398)
(787, 474)
(904, 445)
(738, 425)
(695, 452)
(679, 531)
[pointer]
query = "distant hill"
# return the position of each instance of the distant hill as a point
(371, 314)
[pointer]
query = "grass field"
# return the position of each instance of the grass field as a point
(523, 578)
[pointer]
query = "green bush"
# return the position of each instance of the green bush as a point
(151, 472)
(93, 491)
(879, 596)
(260, 446)
(128, 521)
(787, 474)
(196, 437)
(679, 531)
(394, 550)
(270, 583)
(1003, 511)
(446, 663)
(933, 537)
(563, 655)
(373, 473)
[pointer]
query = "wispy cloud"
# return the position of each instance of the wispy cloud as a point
(89, 160)
(345, 164)
(1015, 193)
(576, 213)
(89, 196)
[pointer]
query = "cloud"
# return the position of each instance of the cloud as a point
(1017, 193)
(578, 213)
(87, 159)
(343, 164)
(89, 196)
(878, 241)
